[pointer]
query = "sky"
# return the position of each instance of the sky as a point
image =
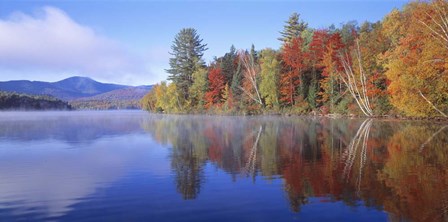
(128, 42)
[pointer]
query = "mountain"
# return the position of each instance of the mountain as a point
(127, 98)
(86, 86)
(130, 93)
(82, 92)
(67, 89)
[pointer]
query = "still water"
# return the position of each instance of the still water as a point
(134, 166)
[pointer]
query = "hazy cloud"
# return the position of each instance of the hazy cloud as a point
(51, 41)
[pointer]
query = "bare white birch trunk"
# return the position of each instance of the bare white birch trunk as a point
(356, 87)
(440, 20)
(250, 72)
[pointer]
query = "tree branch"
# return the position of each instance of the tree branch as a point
(430, 103)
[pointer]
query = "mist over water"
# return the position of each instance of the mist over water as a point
(135, 166)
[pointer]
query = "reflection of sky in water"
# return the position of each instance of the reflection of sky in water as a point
(53, 175)
(71, 127)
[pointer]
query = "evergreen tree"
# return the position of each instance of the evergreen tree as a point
(187, 51)
(293, 28)
(236, 80)
(229, 65)
(349, 32)
(254, 53)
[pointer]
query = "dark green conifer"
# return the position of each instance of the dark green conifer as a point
(187, 51)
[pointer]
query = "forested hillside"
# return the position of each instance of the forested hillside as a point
(15, 101)
(396, 66)
(127, 98)
(82, 92)
(67, 89)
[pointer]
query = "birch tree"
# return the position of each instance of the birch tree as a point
(356, 80)
(250, 77)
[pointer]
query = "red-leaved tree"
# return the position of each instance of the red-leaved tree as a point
(216, 85)
(292, 57)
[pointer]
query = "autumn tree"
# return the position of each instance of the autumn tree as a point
(164, 97)
(227, 98)
(148, 102)
(355, 77)
(237, 78)
(251, 72)
(174, 99)
(216, 85)
(187, 51)
(416, 65)
(331, 65)
(292, 57)
(270, 71)
(198, 88)
(160, 91)
(373, 44)
(314, 57)
(435, 19)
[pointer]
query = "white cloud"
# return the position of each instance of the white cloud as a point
(50, 42)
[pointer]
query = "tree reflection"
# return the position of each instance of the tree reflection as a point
(417, 177)
(350, 154)
(189, 152)
(249, 168)
(401, 167)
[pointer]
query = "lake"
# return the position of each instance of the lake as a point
(135, 166)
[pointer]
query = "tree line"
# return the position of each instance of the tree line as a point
(20, 101)
(396, 66)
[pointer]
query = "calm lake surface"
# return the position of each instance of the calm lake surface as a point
(134, 166)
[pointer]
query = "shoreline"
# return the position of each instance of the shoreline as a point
(331, 116)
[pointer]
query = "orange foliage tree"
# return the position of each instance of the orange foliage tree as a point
(216, 86)
(331, 66)
(417, 65)
(292, 57)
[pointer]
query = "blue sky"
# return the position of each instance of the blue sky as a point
(127, 42)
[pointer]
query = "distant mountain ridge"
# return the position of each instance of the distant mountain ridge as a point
(127, 98)
(83, 92)
(67, 89)
(87, 86)
(131, 93)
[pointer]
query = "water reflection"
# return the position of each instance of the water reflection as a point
(74, 166)
(401, 167)
(69, 127)
(51, 179)
(51, 163)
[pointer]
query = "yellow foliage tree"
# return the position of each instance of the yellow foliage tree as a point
(416, 66)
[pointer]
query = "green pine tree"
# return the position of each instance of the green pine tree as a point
(236, 81)
(228, 65)
(187, 51)
(293, 28)
(254, 53)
